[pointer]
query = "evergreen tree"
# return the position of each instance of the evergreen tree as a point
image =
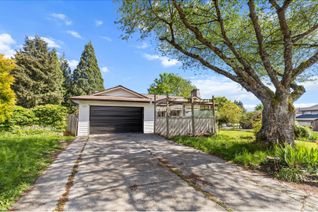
(38, 77)
(68, 82)
(87, 77)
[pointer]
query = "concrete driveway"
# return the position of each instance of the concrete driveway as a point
(147, 172)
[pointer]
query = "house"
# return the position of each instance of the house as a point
(121, 110)
(308, 117)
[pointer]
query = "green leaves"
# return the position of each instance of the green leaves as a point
(169, 83)
(7, 97)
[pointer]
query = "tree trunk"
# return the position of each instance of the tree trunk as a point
(278, 118)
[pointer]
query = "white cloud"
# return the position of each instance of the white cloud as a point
(143, 45)
(6, 45)
(165, 61)
(106, 38)
(74, 34)
(219, 86)
(51, 43)
(105, 69)
(72, 63)
(311, 84)
(61, 17)
(98, 23)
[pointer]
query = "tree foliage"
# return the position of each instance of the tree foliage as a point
(258, 44)
(7, 97)
(38, 77)
(67, 83)
(228, 111)
(169, 83)
(87, 77)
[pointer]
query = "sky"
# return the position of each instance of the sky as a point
(134, 63)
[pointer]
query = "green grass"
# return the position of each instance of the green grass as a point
(24, 154)
(299, 163)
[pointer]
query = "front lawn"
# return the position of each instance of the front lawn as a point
(24, 154)
(292, 164)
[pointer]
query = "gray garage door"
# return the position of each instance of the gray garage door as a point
(108, 119)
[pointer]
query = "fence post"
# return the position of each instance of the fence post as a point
(167, 114)
(192, 116)
(155, 114)
(213, 114)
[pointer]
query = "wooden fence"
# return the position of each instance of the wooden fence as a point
(183, 126)
(72, 122)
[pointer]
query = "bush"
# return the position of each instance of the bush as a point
(302, 132)
(22, 117)
(290, 174)
(51, 115)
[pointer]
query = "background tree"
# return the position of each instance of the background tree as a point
(7, 97)
(38, 77)
(258, 44)
(68, 82)
(87, 77)
(172, 84)
(240, 104)
(228, 112)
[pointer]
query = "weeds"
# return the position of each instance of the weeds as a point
(298, 163)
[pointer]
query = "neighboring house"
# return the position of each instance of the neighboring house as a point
(308, 117)
(120, 109)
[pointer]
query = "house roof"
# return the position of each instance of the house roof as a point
(131, 96)
(309, 117)
(102, 96)
(314, 107)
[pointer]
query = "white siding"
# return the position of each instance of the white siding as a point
(120, 92)
(83, 122)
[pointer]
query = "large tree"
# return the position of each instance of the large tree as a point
(265, 46)
(68, 82)
(87, 77)
(169, 83)
(38, 77)
(7, 97)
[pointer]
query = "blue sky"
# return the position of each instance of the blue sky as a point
(69, 25)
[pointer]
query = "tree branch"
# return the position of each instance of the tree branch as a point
(288, 44)
(304, 34)
(262, 51)
(304, 65)
(299, 90)
(248, 73)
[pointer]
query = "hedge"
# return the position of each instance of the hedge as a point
(51, 115)
(44, 115)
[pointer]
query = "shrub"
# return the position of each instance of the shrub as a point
(22, 117)
(300, 156)
(302, 132)
(290, 174)
(51, 115)
(7, 97)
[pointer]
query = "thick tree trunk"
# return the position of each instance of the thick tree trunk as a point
(278, 118)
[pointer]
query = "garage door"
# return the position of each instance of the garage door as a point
(108, 119)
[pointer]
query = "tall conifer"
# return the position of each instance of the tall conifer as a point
(68, 82)
(38, 77)
(87, 77)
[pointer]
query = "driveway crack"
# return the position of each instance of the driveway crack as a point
(70, 182)
(192, 180)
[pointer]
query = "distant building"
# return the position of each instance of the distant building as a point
(308, 116)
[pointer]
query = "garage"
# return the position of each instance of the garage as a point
(115, 119)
